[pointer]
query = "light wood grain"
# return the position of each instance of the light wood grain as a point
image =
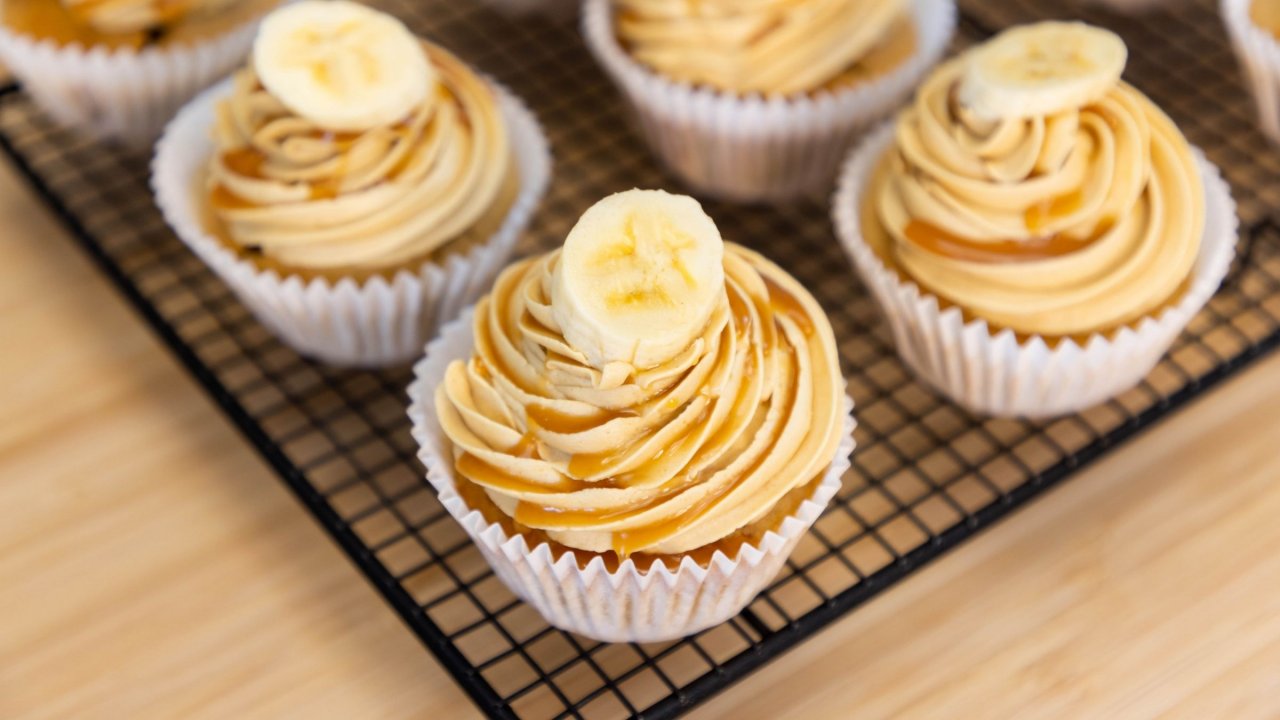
(152, 566)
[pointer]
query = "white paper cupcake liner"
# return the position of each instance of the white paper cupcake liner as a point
(372, 323)
(629, 604)
(1259, 55)
(755, 148)
(122, 94)
(995, 374)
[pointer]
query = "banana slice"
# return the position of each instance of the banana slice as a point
(341, 65)
(638, 278)
(1041, 69)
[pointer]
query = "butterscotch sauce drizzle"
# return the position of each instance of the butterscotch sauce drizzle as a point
(934, 239)
(250, 162)
(785, 303)
(245, 161)
(527, 447)
(534, 514)
(561, 423)
(223, 199)
(627, 541)
(588, 465)
(1041, 214)
(326, 189)
(484, 343)
(340, 140)
(484, 474)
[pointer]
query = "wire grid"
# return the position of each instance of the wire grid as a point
(926, 474)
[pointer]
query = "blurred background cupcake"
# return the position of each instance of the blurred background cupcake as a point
(1254, 28)
(356, 186)
(758, 100)
(119, 69)
(1037, 231)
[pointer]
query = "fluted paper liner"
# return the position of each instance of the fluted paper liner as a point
(755, 148)
(994, 373)
(629, 604)
(1259, 55)
(371, 323)
(120, 94)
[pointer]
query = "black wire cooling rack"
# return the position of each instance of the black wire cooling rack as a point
(926, 474)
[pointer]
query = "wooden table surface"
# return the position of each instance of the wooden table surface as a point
(151, 566)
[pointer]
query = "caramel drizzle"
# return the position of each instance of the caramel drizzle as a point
(784, 303)
(1037, 216)
(937, 241)
(588, 464)
(551, 420)
(486, 475)
(627, 542)
(249, 162)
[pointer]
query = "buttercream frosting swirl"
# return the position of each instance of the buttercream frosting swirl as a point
(129, 16)
(1058, 225)
(767, 46)
(315, 199)
(662, 459)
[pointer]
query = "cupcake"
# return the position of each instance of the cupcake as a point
(1254, 27)
(1037, 231)
(637, 428)
(119, 69)
(758, 101)
(354, 185)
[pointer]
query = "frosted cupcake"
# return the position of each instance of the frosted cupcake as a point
(758, 101)
(1254, 26)
(1037, 231)
(119, 69)
(355, 186)
(637, 428)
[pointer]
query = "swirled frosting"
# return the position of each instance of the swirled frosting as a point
(128, 16)
(662, 459)
(766, 46)
(1059, 225)
(309, 198)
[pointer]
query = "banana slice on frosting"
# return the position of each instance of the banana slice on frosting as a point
(342, 65)
(638, 278)
(1041, 69)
